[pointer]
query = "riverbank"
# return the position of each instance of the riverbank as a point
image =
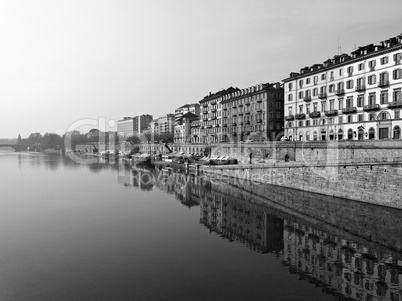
(378, 183)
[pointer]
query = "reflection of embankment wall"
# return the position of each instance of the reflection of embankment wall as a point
(376, 183)
(370, 222)
(342, 264)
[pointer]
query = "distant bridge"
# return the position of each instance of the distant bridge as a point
(19, 148)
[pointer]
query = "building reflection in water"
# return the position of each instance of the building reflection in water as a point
(168, 182)
(350, 269)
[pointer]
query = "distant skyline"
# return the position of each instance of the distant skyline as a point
(65, 61)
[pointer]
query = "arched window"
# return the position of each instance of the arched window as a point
(307, 136)
(383, 116)
(301, 136)
(371, 133)
(340, 134)
(323, 135)
(290, 97)
(315, 136)
(397, 132)
(350, 134)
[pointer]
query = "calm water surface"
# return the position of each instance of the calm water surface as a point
(105, 232)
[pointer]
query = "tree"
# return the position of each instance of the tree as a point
(133, 140)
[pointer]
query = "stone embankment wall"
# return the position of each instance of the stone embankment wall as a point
(375, 183)
(359, 151)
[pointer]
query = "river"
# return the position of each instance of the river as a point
(103, 231)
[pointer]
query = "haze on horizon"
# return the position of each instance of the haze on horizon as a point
(64, 61)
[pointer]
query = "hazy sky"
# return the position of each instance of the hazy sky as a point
(64, 61)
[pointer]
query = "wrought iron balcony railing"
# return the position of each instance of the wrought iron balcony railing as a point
(349, 110)
(373, 107)
(331, 113)
(315, 114)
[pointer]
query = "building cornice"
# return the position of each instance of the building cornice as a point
(347, 62)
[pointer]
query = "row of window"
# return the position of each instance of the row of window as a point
(343, 119)
(361, 66)
(349, 103)
(339, 87)
(247, 128)
(247, 118)
(383, 133)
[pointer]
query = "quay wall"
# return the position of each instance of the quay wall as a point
(374, 183)
(302, 151)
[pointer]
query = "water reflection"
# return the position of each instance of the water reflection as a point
(349, 266)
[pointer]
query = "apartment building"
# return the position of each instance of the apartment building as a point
(210, 125)
(354, 97)
(253, 114)
(166, 124)
(130, 126)
(192, 108)
(182, 131)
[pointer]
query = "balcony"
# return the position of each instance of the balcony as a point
(374, 107)
(350, 110)
(322, 95)
(395, 104)
(213, 110)
(307, 98)
(290, 117)
(331, 113)
(259, 120)
(259, 100)
(205, 105)
(247, 122)
(300, 116)
(360, 88)
(240, 105)
(205, 119)
(340, 92)
(234, 123)
(315, 114)
(383, 83)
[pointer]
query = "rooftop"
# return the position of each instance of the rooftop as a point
(356, 55)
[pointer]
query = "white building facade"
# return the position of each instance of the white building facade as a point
(354, 97)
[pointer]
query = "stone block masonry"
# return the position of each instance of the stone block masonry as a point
(374, 183)
(368, 171)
